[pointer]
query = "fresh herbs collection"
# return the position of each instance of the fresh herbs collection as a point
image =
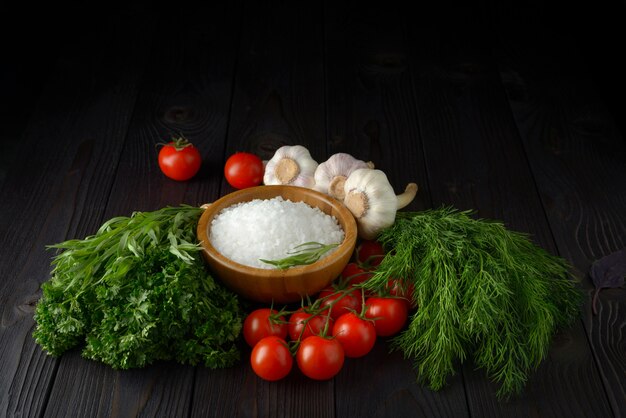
(443, 286)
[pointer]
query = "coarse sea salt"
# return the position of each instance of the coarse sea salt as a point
(269, 229)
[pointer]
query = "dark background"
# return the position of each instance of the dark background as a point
(587, 37)
(513, 109)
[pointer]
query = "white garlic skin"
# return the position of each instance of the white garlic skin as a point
(305, 163)
(339, 165)
(381, 201)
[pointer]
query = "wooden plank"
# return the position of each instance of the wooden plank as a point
(597, 33)
(577, 156)
(22, 78)
(89, 388)
(371, 115)
(70, 153)
(475, 160)
(278, 100)
(238, 392)
(371, 110)
(186, 90)
(278, 94)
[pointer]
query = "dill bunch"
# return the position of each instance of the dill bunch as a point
(137, 291)
(482, 291)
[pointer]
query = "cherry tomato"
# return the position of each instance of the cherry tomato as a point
(356, 335)
(179, 160)
(353, 274)
(303, 324)
(389, 315)
(257, 325)
(243, 170)
(340, 302)
(271, 359)
(369, 253)
(320, 358)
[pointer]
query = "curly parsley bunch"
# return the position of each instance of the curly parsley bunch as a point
(136, 292)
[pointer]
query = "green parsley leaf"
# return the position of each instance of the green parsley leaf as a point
(136, 292)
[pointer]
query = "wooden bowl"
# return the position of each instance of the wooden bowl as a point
(281, 286)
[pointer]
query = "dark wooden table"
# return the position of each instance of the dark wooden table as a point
(504, 109)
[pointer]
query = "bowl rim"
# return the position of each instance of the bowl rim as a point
(349, 227)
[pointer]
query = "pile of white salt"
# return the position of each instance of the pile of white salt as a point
(269, 229)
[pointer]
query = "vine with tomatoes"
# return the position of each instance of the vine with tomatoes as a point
(344, 320)
(473, 280)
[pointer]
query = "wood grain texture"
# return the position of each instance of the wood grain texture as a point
(183, 92)
(23, 78)
(93, 389)
(371, 110)
(371, 114)
(475, 160)
(384, 384)
(70, 154)
(238, 392)
(279, 85)
(217, 392)
(27, 67)
(495, 106)
(186, 91)
(278, 100)
(577, 156)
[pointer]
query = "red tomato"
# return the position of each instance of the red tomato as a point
(342, 301)
(356, 335)
(271, 359)
(320, 358)
(353, 274)
(257, 325)
(303, 324)
(179, 160)
(389, 315)
(243, 170)
(369, 253)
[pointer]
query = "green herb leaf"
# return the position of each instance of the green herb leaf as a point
(481, 290)
(303, 254)
(136, 292)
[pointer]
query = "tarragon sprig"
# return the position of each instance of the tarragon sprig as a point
(137, 292)
(303, 254)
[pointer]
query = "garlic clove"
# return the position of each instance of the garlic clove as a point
(372, 201)
(291, 165)
(331, 175)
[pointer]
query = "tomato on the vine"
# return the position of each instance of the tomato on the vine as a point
(320, 358)
(303, 324)
(369, 253)
(356, 335)
(271, 359)
(340, 301)
(353, 274)
(258, 325)
(243, 170)
(389, 314)
(179, 159)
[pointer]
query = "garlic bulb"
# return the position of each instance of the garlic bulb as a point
(331, 175)
(372, 201)
(291, 165)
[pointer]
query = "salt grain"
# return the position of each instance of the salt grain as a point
(269, 229)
